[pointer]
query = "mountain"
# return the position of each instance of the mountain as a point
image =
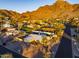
(60, 9)
(9, 13)
(13, 15)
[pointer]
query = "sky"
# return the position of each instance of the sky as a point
(27, 5)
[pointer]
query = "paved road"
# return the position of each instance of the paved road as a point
(65, 47)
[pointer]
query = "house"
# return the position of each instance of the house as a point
(10, 31)
(6, 24)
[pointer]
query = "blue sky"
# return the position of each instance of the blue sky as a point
(27, 5)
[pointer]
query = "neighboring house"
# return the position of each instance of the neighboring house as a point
(11, 31)
(6, 25)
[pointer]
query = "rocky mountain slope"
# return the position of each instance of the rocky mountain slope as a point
(60, 9)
